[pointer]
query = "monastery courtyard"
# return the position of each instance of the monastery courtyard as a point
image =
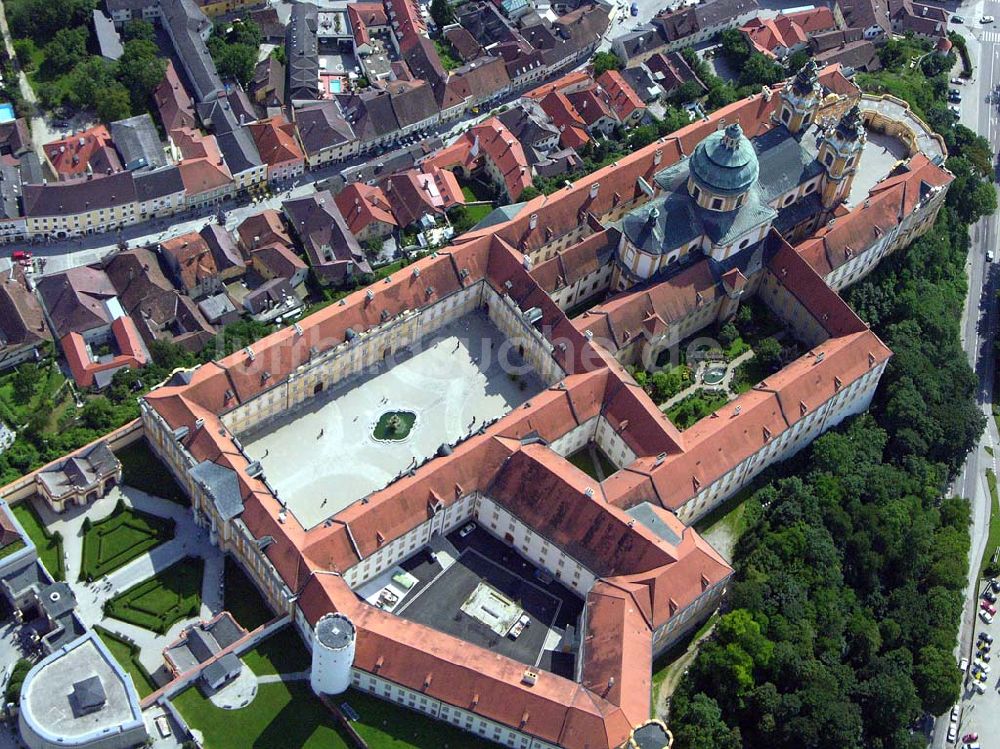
(324, 456)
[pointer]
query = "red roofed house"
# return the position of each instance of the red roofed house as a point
(366, 211)
(572, 127)
(490, 146)
(366, 19)
(204, 173)
(86, 366)
(628, 108)
(279, 148)
(787, 33)
(84, 153)
(192, 265)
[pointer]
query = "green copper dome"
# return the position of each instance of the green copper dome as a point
(725, 162)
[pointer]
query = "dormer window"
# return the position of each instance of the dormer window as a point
(716, 204)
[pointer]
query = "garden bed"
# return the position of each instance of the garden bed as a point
(48, 545)
(120, 538)
(158, 603)
(696, 407)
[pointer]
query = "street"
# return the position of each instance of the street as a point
(980, 713)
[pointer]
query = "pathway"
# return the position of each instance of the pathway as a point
(274, 678)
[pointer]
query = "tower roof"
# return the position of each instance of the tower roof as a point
(851, 126)
(806, 79)
(725, 162)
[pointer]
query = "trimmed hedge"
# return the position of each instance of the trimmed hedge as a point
(157, 603)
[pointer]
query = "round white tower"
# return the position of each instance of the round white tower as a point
(332, 654)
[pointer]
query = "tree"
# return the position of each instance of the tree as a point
(278, 53)
(24, 383)
(98, 414)
(697, 724)
(768, 353)
(605, 61)
(139, 28)
(140, 70)
(67, 48)
(795, 61)
(735, 45)
(759, 70)
(246, 31)
(237, 61)
(529, 193)
(113, 103)
(687, 91)
(441, 13)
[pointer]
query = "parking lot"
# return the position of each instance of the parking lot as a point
(980, 713)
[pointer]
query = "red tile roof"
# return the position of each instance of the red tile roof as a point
(621, 96)
(88, 151)
(361, 204)
(276, 142)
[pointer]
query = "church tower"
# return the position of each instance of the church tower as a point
(800, 98)
(839, 153)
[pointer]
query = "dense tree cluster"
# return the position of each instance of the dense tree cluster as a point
(55, 35)
(234, 49)
(849, 580)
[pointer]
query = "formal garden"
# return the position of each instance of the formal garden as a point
(158, 603)
(48, 545)
(693, 408)
(118, 539)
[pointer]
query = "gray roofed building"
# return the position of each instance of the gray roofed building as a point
(202, 641)
(23, 330)
(61, 683)
(641, 80)
(233, 138)
(108, 40)
(302, 53)
(321, 126)
(228, 258)
(78, 196)
(189, 28)
(219, 309)
(157, 184)
(30, 166)
(138, 143)
(412, 102)
(529, 124)
(272, 299)
(370, 115)
(10, 191)
(79, 300)
(80, 478)
(332, 249)
(222, 486)
(218, 672)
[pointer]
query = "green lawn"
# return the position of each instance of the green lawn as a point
(120, 538)
(12, 547)
(127, 656)
(281, 653)
(993, 540)
(172, 595)
(281, 715)
(144, 471)
(49, 545)
(243, 600)
(695, 407)
(477, 213)
(583, 459)
(286, 714)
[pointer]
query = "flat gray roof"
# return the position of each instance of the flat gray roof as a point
(46, 703)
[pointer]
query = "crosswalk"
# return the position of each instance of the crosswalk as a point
(988, 36)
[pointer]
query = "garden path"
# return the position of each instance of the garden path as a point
(697, 385)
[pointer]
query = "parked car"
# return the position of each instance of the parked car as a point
(969, 737)
(983, 666)
(989, 595)
(989, 256)
(986, 19)
(964, 665)
(956, 713)
(466, 530)
(986, 605)
(957, 19)
(957, 82)
(20, 255)
(952, 733)
(986, 637)
(634, 10)
(987, 618)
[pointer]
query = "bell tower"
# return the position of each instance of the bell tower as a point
(800, 98)
(839, 153)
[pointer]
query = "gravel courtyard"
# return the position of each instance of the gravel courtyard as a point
(322, 457)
